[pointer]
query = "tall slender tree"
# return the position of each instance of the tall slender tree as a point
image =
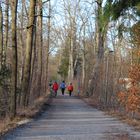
(1, 48)
(1, 31)
(102, 21)
(28, 55)
(15, 58)
(48, 45)
(40, 46)
(6, 31)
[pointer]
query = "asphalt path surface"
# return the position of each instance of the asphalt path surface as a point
(70, 118)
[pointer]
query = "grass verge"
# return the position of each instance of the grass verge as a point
(25, 115)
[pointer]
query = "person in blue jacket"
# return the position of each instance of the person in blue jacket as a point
(63, 86)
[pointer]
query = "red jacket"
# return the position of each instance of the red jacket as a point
(70, 88)
(55, 86)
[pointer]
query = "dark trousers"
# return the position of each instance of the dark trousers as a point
(62, 90)
(70, 92)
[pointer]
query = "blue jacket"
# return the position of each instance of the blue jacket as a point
(62, 85)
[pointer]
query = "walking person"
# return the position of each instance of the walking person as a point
(63, 86)
(55, 88)
(70, 89)
(50, 87)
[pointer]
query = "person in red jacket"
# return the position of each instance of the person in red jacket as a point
(70, 89)
(55, 88)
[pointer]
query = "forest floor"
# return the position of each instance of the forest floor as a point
(70, 118)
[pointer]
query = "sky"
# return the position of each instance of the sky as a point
(58, 14)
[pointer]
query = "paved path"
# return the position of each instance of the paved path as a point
(69, 118)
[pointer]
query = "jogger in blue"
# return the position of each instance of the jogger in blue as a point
(63, 86)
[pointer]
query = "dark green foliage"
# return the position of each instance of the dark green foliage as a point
(135, 30)
(5, 73)
(113, 10)
(5, 87)
(138, 9)
(120, 6)
(107, 10)
(78, 67)
(122, 28)
(63, 68)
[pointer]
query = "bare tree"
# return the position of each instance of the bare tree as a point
(15, 61)
(71, 18)
(6, 32)
(48, 45)
(1, 32)
(40, 46)
(29, 43)
(100, 40)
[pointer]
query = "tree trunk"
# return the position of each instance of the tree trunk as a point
(6, 32)
(1, 48)
(100, 36)
(48, 46)
(71, 71)
(84, 62)
(14, 61)
(34, 62)
(22, 54)
(100, 39)
(40, 41)
(28, 55)
(72, 41)
(1, 33)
